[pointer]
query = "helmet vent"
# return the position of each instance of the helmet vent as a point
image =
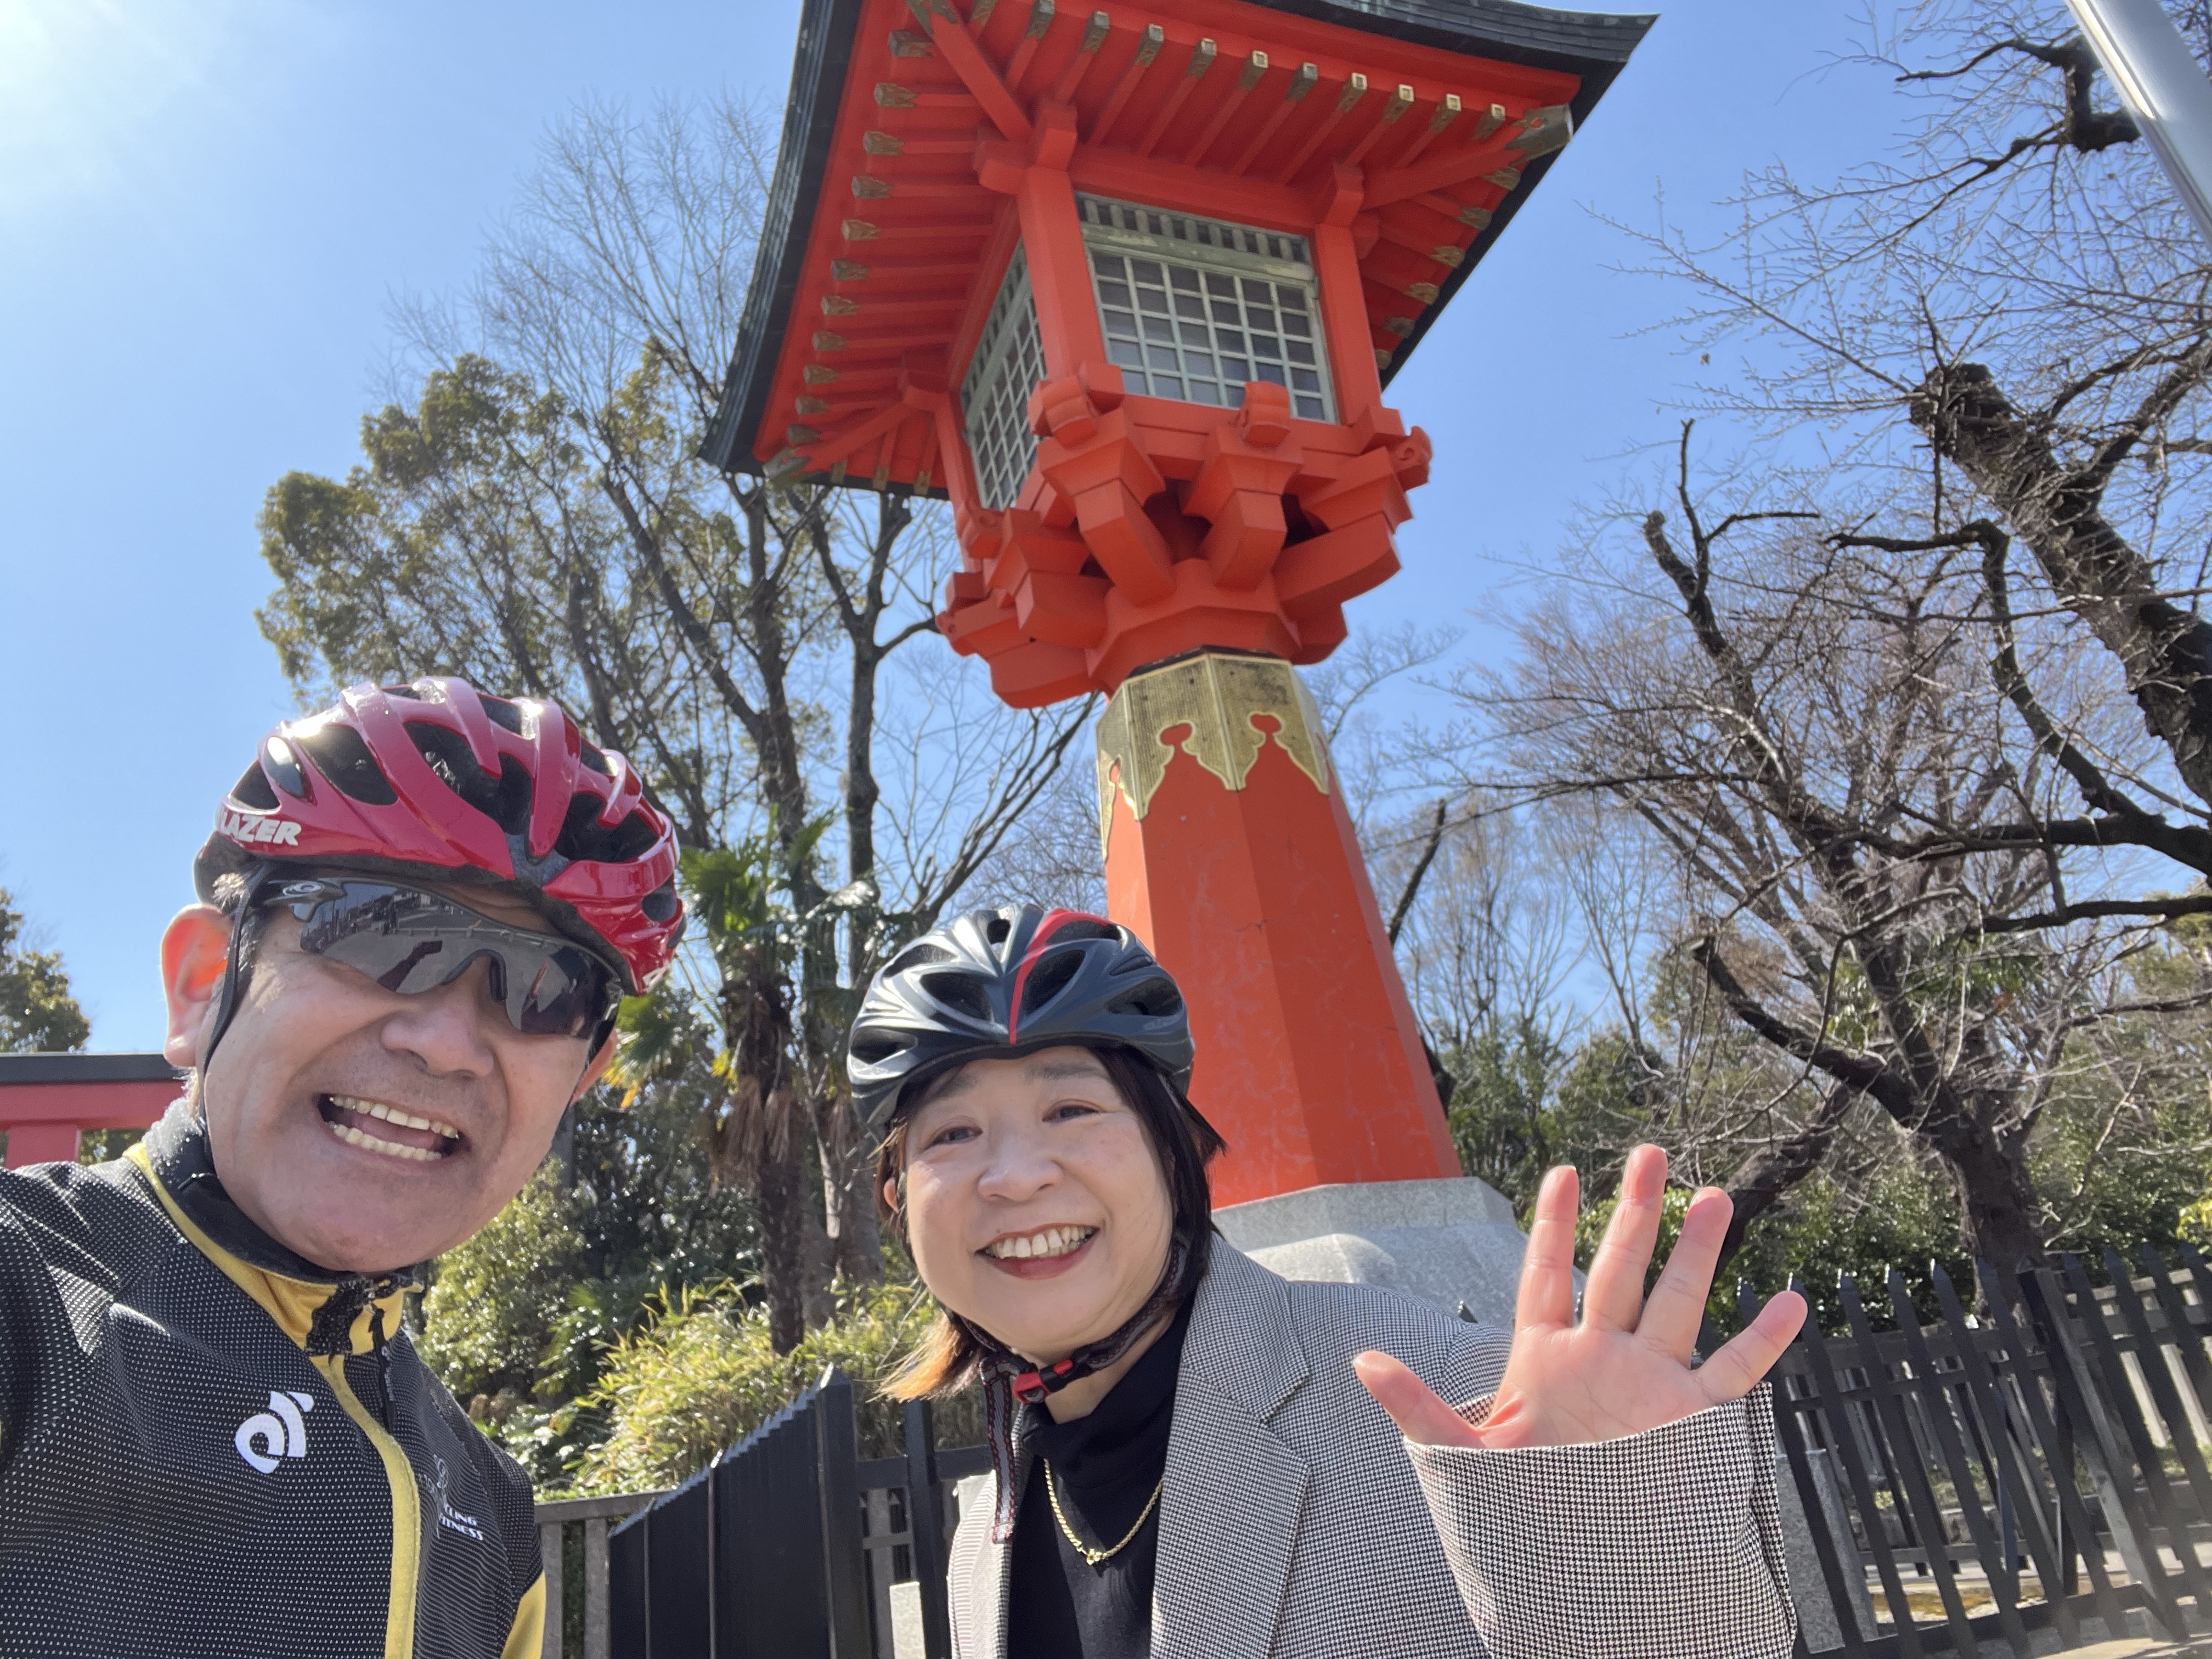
(1071, 929)
(584, 839)
(505, 799)
(1049, 978)
(1156, 999)
(958, 993)
(996, 929)
(341, 755)
(253, 790)
(918, 956)
(501, 712)
(597, 761)
(406, 691)
(874, 1047)
(659, 905)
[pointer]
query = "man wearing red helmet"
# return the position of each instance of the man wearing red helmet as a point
(419, 911)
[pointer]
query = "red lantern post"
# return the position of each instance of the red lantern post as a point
(1126, 286)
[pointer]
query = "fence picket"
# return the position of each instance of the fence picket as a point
(1825, 1388)
(2008, 1460)
(2057, 1450)
(2187, 1342)
(1905, 1454)
(2151, 1360)
(2156, 1487)
(1790, 1428)
(2133, 1532)
(1946, 1435)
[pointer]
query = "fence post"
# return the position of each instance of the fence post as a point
(925, 1520)
(844, 1555)
(549, 1554)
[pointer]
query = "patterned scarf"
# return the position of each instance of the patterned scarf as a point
(1010, 1381)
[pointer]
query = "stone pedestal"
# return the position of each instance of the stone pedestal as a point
(1447, 1241)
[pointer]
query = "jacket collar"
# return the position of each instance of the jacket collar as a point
(324, 1311)
(1241, 1362)
(1242, 1343)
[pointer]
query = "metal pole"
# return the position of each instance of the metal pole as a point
(2159, 79)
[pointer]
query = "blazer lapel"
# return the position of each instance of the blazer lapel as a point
(979, 1610)
(1235, 1496)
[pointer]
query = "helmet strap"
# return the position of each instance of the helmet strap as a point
(1008, 1378)
(234, 977)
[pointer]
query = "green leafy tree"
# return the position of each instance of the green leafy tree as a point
(38, 1015)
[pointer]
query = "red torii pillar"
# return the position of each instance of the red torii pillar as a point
(47, 1100)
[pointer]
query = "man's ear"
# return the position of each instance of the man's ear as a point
(598, 1068)
(195, 948)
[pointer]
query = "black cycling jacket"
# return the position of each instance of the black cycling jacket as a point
(210, 1448)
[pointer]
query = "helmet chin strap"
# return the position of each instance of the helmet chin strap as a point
(225, 1002)
(1009, 1378)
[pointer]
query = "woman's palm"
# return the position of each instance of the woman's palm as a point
(1626, 1365)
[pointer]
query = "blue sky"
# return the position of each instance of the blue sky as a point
(206, 205)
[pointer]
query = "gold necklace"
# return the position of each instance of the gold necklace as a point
(1091, 1556)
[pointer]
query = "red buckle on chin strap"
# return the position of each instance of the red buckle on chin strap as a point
(1034, 1388)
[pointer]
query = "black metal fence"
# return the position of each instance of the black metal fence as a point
(790, 1545)
(1990, 1477)
(2030, 1474)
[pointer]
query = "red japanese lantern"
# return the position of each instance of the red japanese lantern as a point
(1127, 287)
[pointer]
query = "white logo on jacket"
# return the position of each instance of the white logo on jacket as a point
(467, 1525)
(266, 1438)
(250, 828)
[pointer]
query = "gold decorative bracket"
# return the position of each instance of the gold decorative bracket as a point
(1217, 697)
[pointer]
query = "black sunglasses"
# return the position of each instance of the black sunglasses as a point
(409, 941)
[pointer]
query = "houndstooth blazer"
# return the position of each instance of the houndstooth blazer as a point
(1296, 1523)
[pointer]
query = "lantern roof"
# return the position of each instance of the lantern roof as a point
(877, 231)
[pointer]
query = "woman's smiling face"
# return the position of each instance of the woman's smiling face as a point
(1036, 1208)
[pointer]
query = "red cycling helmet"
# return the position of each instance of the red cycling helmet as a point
(438, 780)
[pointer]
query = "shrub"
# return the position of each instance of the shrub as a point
(701, 1374)
(491, 1313)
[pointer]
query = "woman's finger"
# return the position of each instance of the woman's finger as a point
(1676, 1306)
(1548, 1266)
(1612, 1297)
(1420, 1414)
(1736, 1368)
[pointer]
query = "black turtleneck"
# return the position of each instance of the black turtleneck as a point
(1104, 1467)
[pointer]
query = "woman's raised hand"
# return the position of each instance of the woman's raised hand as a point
(1625, 1367)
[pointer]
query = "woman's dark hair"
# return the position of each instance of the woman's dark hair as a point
(1182, 1140)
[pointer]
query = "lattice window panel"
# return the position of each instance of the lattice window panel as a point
(1008, 365)
(1194, 308)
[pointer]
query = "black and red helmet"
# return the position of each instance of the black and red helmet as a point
(437, 781)
(1008, 981)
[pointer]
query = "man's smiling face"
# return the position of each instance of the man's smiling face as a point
(366, 1130)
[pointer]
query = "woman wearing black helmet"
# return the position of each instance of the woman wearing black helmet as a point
(1186, 1461)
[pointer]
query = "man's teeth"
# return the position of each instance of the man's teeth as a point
(368, 1142)
(1053, 1241)
(393, 1115)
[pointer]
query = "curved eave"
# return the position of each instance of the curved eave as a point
(1592, 46)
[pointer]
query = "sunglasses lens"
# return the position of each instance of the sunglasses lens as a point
(565, 994)
(408, 942)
